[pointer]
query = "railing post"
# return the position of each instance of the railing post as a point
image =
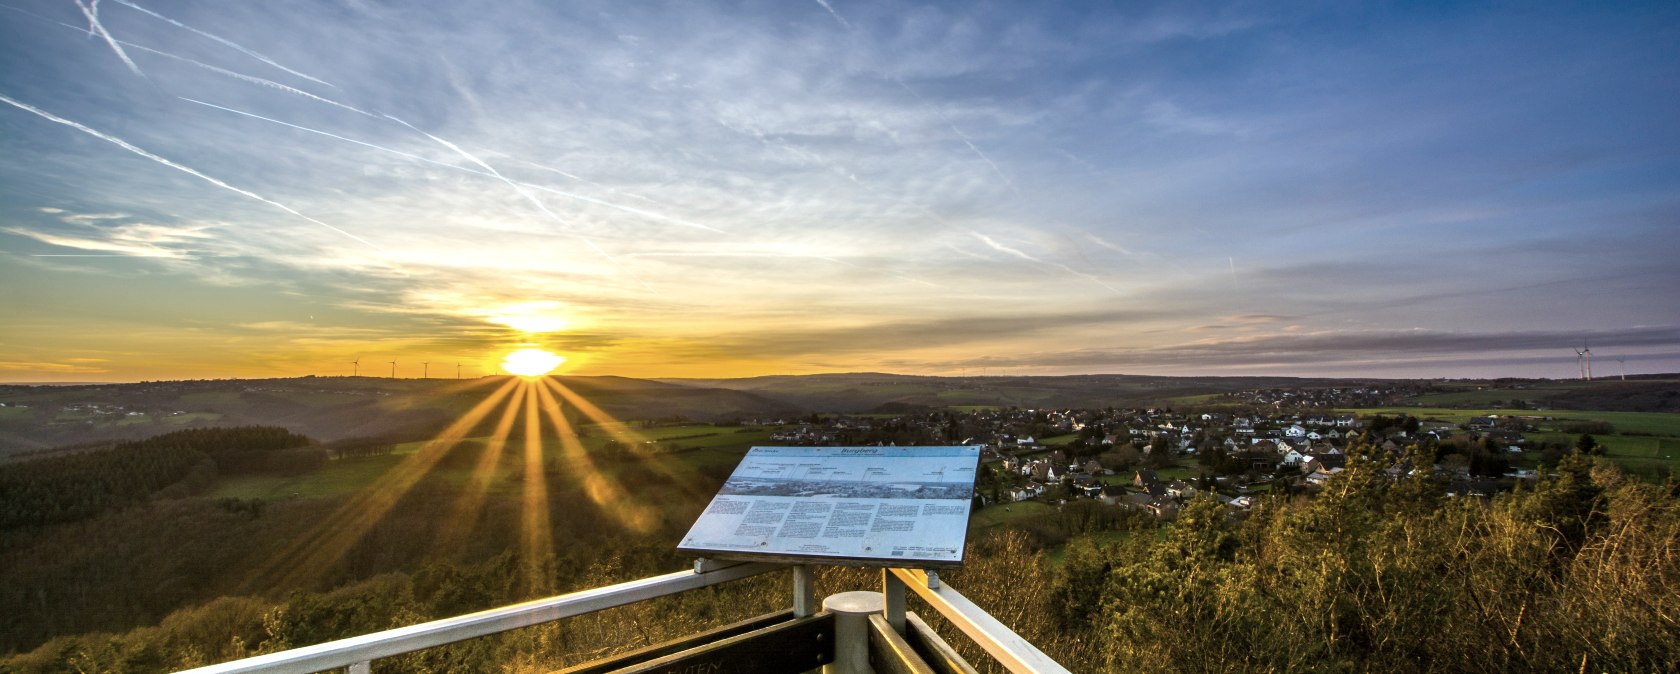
(851, 630)
(804, 592)
(363, 667)
(892, 592)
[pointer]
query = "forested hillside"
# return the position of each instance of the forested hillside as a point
(73, 486)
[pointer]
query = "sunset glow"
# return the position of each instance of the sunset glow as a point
(531, 362)
(726, 190)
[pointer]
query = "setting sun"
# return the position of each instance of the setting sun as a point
(531, 362)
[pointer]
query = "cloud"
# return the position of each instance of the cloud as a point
(48, 367)
(1371, 349)
(137, 239)
(842, 179)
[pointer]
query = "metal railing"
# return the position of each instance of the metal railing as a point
(357, 653)
(1013, 652)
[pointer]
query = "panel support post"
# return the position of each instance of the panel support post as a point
(804, 591)
(851, 630)
(892, 591)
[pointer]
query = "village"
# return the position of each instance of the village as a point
(1156, 459)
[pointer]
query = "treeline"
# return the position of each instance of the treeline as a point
(75, 486)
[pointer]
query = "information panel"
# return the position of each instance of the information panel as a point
(877, 505)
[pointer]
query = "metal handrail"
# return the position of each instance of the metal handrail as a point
(357, 652)
(1013, 652)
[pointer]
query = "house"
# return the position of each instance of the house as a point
(1163, 509)
(1112, 494)
(1137, 501)
(1180, 489)
(1145, 477)
(1012, 464)
(1295, 431)
(1323, 462)
(1293, 457)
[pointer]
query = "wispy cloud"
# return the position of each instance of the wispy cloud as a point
(219, 39)
(95, 26)
(136, 150)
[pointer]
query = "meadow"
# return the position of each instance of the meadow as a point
(1645, 443)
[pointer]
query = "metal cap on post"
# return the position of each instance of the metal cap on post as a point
(851, 630)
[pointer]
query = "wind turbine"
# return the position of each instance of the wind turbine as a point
(1623, 362)
(393, 369)
(356, 367)
(458, 371)
(1588, 351)
(1580, 364)
(426, 369)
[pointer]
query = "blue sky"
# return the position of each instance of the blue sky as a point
(706, 189)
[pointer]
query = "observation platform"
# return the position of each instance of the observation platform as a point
(847, 633)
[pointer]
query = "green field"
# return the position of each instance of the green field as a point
(341, 476)
(1653, 453)
(9, 412)
(994, 515)
(1654, 423)
(700, 446)
(1483, 396)
(190, 418)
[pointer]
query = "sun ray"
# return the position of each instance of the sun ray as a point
(537, 539)
(685, 480)
(601, 488)
(313, 554)
(453, 534)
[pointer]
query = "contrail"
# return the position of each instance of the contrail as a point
(1023, 255)
(497, 175)
(94, 25)
(487, 174)
(965, 139)
(799, 256)
(224, 41)
(254, 80)
(184, 169)
(399, 153)
(978, 153)
(218, 70)
(91, 11)
(963, 136)
(989, 241)
(836, 15)
(1105, 243)
(589, 182)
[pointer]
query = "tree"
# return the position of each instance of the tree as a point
(1588, 445)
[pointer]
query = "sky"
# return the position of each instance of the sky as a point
(205, 189)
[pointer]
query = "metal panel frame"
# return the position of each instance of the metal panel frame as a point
(356, 651)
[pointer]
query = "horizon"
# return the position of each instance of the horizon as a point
(1653, 376)
(205, 191)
